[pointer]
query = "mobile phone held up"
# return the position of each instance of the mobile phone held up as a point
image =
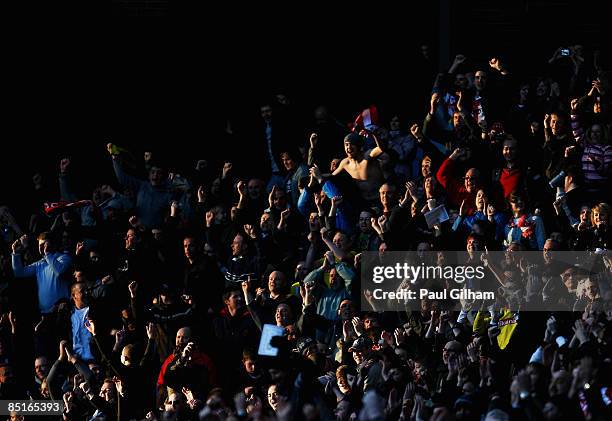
(565, 52)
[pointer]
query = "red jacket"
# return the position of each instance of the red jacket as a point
(455, 188)
(198, 358)
(510, 180)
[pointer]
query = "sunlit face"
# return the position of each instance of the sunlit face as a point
(174, 403)
(126, 356)
(386, 194)
(107, 391)
(426, 168)
(41, 367)
(189, 248)
(343, 385)
(358, 356)
(44, 389)
(130, 239)
(370, 322)
(480, 200)
(183, 336)
(596, 107)
(556, 124)
(471, 180)
(457, 121)
(283, 315)
(249, 366)
(350, 149)
(473, 244)
(382, 249)
(314, 222)
(288, 162)
(237, 245)
(341, 241)
(419, 371)
(41, 246)
(600, 217)
(275, 399)
(78, 295)
(234, 301)
(276, 281)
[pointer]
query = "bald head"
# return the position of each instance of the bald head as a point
(276, 282)
(183, 336)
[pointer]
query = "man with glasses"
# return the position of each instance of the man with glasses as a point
(457, 192)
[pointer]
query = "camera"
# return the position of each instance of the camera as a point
(565, 52)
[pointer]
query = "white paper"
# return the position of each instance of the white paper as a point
(267, 333)
(436, 216)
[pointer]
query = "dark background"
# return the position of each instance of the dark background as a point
(153, 73)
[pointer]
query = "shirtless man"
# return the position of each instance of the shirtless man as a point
(362, 166)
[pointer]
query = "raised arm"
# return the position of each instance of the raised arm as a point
(459, 59)
(66, 191)
(445, 175)
(378, 150)
(18, 269)
(330, 245)
(311, 151)
(125, 179)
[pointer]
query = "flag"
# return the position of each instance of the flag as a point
(53, 208)
(368, 119)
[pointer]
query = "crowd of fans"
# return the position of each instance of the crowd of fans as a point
(150, 297)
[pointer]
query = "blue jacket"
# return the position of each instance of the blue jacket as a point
(151, 202)
(328, 299)
(52, 286)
